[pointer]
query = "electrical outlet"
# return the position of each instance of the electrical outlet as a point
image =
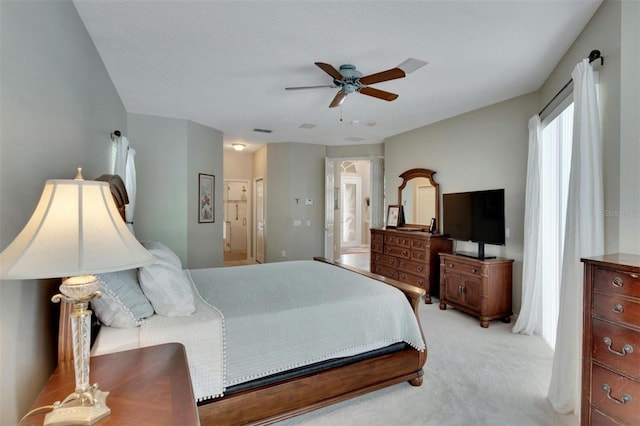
(284, 253)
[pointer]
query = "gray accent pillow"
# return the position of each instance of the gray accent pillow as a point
(167, 288)
(123, 304)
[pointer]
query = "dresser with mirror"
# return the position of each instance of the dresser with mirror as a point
(409, 252)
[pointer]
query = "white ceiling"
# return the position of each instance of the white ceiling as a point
(225, 64)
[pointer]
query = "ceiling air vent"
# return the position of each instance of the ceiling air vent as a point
(262, 130)
(307, 126)
(354, 139)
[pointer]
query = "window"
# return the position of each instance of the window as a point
(555, 153)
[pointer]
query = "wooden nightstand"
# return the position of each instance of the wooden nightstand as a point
(147, 386)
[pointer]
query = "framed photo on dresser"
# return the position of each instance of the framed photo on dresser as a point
(393, 216)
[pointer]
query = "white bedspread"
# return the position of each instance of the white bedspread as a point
(284, 315)
(202, 334)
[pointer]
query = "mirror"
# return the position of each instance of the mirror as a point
(419, 196)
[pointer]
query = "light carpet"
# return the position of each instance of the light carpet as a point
(473, 376)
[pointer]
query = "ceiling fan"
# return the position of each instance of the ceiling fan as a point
(350, 80)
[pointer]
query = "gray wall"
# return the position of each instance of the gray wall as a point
(488, 147)
(58, 107)
(482, 149)
(614, 31)
(170, 153)
(296, 171)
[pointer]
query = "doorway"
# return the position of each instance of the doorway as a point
(235, 231)
(260, 219)
(354, 195)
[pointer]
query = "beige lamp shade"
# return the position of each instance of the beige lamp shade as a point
(75, 229)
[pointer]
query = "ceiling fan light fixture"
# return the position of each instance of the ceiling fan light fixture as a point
(238, 146)
(412, 64)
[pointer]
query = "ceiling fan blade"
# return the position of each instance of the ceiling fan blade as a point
(377, 93)
(338, 99)
(329, 69)
(309, 87)
(387, 75)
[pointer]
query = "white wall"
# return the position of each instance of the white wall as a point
(58, 108)
(482, 149)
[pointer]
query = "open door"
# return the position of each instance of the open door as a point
(331, 203)
(260, 220)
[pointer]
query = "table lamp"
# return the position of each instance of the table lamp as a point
(75, 230)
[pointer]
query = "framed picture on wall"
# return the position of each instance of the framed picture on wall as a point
(393, 216)
(206, 188)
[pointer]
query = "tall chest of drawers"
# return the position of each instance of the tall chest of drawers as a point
(410, 257)
(611, 341)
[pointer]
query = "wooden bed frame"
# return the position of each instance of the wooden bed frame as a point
(278, 401)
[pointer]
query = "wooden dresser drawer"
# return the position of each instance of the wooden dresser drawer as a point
(376, 246)
(616, 308)
(397, 251)
(616, 395)
(384, 270)
(412, 279)
(412, 267)
(600, 419)
(617, 347)
(617, 282)
(384, 260)
(462, 267)
(377, 237)
(420, 255)
(420, 244)
(397, 240)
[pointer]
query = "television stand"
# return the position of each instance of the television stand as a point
(478, 287)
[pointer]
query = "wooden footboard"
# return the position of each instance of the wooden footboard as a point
(279, 401)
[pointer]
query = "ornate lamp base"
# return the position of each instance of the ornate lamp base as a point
(87, 404)
(75, 413)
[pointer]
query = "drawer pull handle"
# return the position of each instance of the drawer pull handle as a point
(617, 308)
(404, 252)
(626, 398)
(474, 270)
(626, 349)
(617, 282)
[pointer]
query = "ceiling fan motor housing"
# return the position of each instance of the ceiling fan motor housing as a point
(350, 83)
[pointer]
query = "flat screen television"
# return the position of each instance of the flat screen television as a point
(476, 216)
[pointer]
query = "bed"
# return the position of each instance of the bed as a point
(268, 342)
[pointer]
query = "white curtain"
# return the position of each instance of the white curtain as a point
(130, 184)
(530, 317)
(125, 168)
(584, 236)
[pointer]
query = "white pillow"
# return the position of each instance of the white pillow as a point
(167, 288)
(162, 252)
(123, 304)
